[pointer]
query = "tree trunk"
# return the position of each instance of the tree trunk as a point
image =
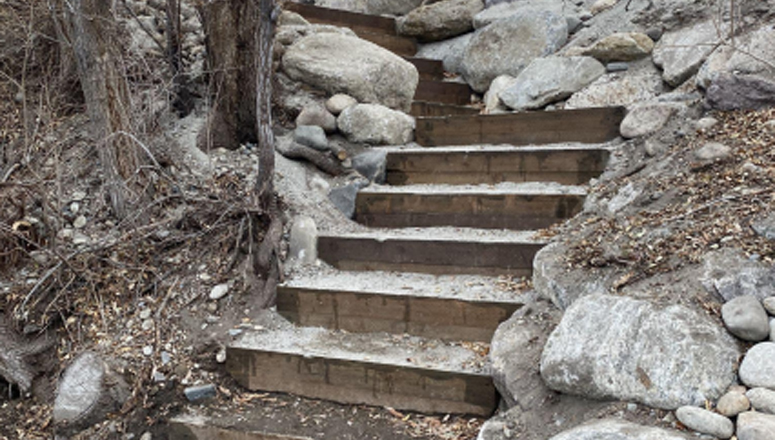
(92, 31)
(182, 101)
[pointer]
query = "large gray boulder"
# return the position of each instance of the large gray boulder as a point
(449, 52)
(612, 347)
(343, 64)
(507, 46)
(612, 429)
(391, 7)
(728, 274)
(680, 53)
(441, 20)
(547, 80)
(625, 88)
(376, 124)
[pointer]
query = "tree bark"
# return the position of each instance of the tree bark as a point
(182, 101)
(93, 35)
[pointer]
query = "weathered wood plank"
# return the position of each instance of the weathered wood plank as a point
(432, 70)
(339, 17)
(182, 429)
(593, 125)
(434, 109)
(398, 45)
(565, 166)
(443, 92)
(429, 256)
(432, 317)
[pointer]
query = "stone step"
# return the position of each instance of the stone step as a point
(456, 308)
(444, 92)
(403, 372)
(196, 427)
(516, 206)
(567, 164)
(590, 126)
(432, 250)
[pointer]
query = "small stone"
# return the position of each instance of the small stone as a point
(646, 119)
(302, 248)
(732, 404)
(79, 222)
(219, 291)
(165, 358)
(632, 407)
(158, 376)
(311, 136)
(78, 196)
(618, 66)
(220, 357)
(755, 426)
(147, 325)
(146, 436)
(705, 422)
(343, 198)
(762, 400)
(75, 207)
(212, 307)
(234, 332)
(758, 366)
(601, 5)
(339, 102)
(371, 164)
(316, 115)
(705, 123)
(712, 151)
(574, 23)
(769, 305)
(653, 147)
(745, 318)
(765, 227)
(145, 314)
(655, 33)
(769, 126)
(147, 350)
(80, 238)
(196, 393)
(205, 277)
(772, 330)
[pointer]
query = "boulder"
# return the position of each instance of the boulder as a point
(758, 366)
(547, 80)
(646, 119)
(361, 6)
(494, 12)
(728, 274)
(621, 88)
(622, 348)
(337, 103)
(765, 226)
(492, 100)
(755, 426)
(705, 422)
(343, 64)
(731, 91)
(343, 197)
(762, 400)
(680, 53)
(440, 20)
(88, 390)
(311, 136)
(290, 34)
(602, 5)
(506, 46)
(371, 164)
(376, 124)
(317, 115)
(612, 429)
(303, 246)
(625, 46)
(391, 7)
(745, 318)
(449, 52)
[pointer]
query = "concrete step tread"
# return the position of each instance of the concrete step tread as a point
(503, 188)
(400, 351)
(441, 234)
(473, 288)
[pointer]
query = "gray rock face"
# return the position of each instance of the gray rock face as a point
(317, 115)
(745, 318)
(337, 103)
(376, 124)
(440, 20)
(547, 80)
(729, 274)
(627, 349)
(87, 391)
(762, 400)
(311, 136)
(623, 88)
(646, 119)
(449, 52)
(705, 422)
(343, 64)
(733, 403)
(626, 46)
(612, 429)
(391, 7)
(766, 228)
(371, 164)
(755, 426)
(506, 46)
(681, 53)
(303, 246)
(730, 91)
(758, 366)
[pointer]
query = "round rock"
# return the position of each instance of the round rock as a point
(712, 151)
(755, 426)
(318, 116)
(758, 366)
(769, 305)
(762, 400)
(311, 136)
(732, 404)
(746, 318)
(705, 422)
(339, 102)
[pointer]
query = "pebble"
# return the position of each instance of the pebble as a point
(339, 102)
(78, 196)
(220, 357)
(712, 151)
(705, 123)
(165, 358)
(772, 329)
(212, 307)
(617, 67)
(145, 314)
(755, 426)
(147, 350)
(705, 422)
(199, 392)
(79, 222)
(769, 305)
(80, 238)
(147, 325)
(233, 332)
(769, 126)
(655, 33)
(205, 277)
(159, 377)
(732, 404)
(146, 436)
(219, 291)
(746, 318)
(762, 400)
(75, 207)
(757, 370)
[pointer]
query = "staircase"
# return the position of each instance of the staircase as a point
(405, 318)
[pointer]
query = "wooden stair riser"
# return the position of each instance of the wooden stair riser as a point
(189, 431)
(432, 109)
(347, 381)
(434, 257)
(501, 211)
(568, 167)
(594, 125)
(429, 70)
(443, 92)
(365, 312)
